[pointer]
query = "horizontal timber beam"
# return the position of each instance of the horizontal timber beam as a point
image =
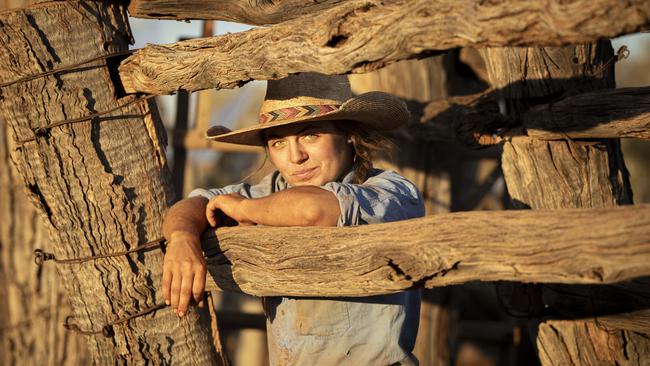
(239, 11)
(363, 35)
(474, 120)
(609, 113)
(572, 246)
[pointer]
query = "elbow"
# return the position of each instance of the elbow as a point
(316, 214)
(313, 216)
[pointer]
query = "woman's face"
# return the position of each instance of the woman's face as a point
(310, 153)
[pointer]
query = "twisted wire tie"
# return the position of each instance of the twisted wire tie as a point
(40, 130)
(41, 256)
(70, 67)
(622, 53)
(107, 330)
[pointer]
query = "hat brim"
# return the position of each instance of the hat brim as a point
(375, 110)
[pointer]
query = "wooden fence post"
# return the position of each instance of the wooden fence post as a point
(93, 162)
(563, 174)
(34, 304)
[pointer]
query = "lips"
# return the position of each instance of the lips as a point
(305, 174)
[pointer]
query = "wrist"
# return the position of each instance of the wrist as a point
(179, 236)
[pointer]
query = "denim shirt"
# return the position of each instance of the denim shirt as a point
(373, 330)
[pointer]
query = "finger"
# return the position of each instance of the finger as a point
(202, 303)
(198, 286)
(175, 289)
(211, 213)
(186, 293)
(166, 283)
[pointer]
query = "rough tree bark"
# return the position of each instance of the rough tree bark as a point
(562, 174)
(240, 11)
(34, 304)
(600, 246)
(101, 185)
(475, 119)
(581, 116)
(365, 35)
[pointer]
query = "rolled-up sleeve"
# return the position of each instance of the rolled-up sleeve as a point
(213, 192)
(384, 197)
(263, 188)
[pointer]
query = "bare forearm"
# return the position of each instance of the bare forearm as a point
(298, 206)
(187, 216)
(184, 267)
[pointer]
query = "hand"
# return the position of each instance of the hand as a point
(230, 205)
(184, 271)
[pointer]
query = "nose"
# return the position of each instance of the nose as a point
(297, 152)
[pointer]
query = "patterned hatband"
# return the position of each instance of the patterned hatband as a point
(296, 112)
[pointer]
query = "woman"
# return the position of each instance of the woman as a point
(320, 139)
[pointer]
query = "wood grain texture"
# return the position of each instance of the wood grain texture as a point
(576, 246)
(363, 35)
(556, 174)
(257, 12)
(34, 303)
(101, 186)
(475, 120)
(637, 321)
(563, 342)
(564, 174)
(547, 72)
(600, 114)
(560, 174)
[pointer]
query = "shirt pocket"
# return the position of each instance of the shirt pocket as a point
(321, 317)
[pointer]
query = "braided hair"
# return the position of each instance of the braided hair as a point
(366, 144)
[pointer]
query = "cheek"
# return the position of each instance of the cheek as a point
(343, 151)
(336, 155)
(276, 159)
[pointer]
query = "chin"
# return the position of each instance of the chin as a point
(310, 182)
(314, 181)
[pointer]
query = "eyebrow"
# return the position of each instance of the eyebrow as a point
(271, 136)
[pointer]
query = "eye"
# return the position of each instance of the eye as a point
(277, 143)
(310, 137)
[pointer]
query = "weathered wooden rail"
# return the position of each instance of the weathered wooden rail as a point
(240, 11)
(468, 118)
(571, 246)
(359, 36)
(609, 113)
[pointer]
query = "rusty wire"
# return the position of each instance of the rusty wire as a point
(40, 256)
(108, 330)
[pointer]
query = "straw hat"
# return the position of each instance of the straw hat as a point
(309, 97)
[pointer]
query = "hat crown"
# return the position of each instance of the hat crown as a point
(306, 89)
